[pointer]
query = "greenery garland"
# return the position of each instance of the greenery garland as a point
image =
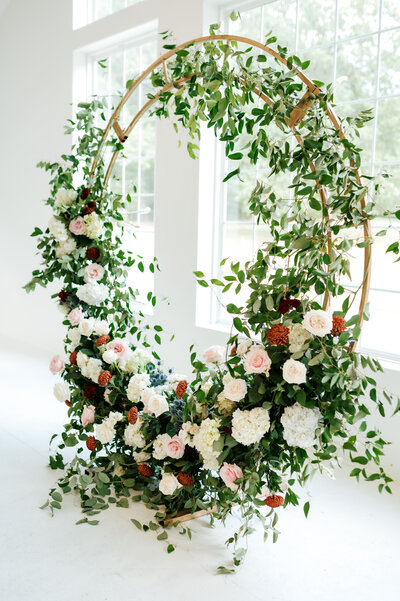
(286, 397)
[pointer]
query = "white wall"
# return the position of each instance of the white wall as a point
(36, 47)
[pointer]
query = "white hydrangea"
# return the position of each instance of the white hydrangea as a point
(136, 361)
(65, 247)
(298, 337)
(141, 457)
(64, 197)
(158, 446)
(94, 225)
(92, 293)
(133, 436)
(168, 483)
(93, 369)
(203, 441)
(62, 392)
(105, 431)
(249, 426)
(187, 433)
(299, 425)
(136, 385)
(74, 336)
(58, 230)
(101, 327)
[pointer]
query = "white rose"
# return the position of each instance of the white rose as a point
(214, 354)
(136, 385)
(62, 392)
(93, 369)
(101, 327)
(243, 347)
(105, 432)
(109, 356)
(235, 390)
(168, 484)
(298, 337)
(81, 359)
(318, 322)
(86, 326)
(294, 372)
(158, 446)
(141, 457)
(157, 404)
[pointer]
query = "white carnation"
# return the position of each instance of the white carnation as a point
(158, 446)
(105, 432)
(298, 338)
(187, 433)
(94, 225)
(136, 385)
(248, 427)
(65, 248)
(204, 439)
(58, 230)
(168, 484)
(93, 293)
(64, 197)
(133, 436)
(86, 326)
(74, 336)
(62, 392)
(299, 425)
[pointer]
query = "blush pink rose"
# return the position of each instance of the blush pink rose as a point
(119, 347)
(257, 361)
(87, 416)
(214, 354)
(173, 447)
(94, 272)
(230, 472)
(77, 226)
(56, 364)
(75, 316)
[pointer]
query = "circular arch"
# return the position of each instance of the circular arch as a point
(296, 117)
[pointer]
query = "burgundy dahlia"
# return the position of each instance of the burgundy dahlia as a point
(85, 193)
(93, 253)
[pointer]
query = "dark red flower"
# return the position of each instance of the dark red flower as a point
(89, 208)
(93, 253)
(104, 378)
(63, 295)
(145, 470)
(181, 388)
(85, 193)
(284, 306)
(89, 391)
(68, 403)
(338, 325)
(185, 479)
(278, 335)
(274, 501)
(228, 430)
(294, 302)
(72, 358)
(233, 350)
(91, 443)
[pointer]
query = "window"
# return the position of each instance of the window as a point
(355, 45)
(108, 69)
(87, 11)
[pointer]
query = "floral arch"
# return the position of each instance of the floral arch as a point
(287, 395)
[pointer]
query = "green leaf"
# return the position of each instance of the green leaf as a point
(136, 523)
(306, 508)
(170, 548)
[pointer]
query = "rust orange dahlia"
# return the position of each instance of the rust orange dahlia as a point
(104, 377)
(102, 340)
(274, 501)
(338, 324)
(185, 479)
(133, 415)
(278, 335)
(181, 388)
(145, 470)
(91, 443)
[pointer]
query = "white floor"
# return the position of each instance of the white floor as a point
(347, 549)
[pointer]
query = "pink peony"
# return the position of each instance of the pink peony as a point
(77, 226)
(214, 354)
(173, 447)
(56, 364)
(94, 272)
(230, 472)
(119, 347)
(87, 416)
(257, 361)
(75, 316)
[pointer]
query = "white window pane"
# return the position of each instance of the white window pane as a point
(387, 146)
(365, 139)
(281, 16)
(356, 69)
(382, 331)
(357, 17)
(317, 22)
(249, 25)
(391, 14)
(389, 80)
(321, 66)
